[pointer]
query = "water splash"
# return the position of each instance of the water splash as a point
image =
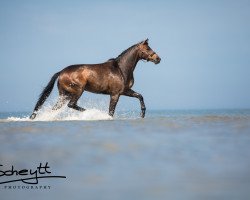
(64, 115)
(67, 114)
(94, 111)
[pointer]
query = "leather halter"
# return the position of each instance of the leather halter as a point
(149, 56)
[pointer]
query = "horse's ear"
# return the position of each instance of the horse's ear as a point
(145, 41)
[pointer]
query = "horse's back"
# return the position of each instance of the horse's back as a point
(111, 64)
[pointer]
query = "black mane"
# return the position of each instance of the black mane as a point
(117, 59)
(126, 51)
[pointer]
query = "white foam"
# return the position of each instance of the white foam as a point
(15, 119)
(95, 110)
(64, 115)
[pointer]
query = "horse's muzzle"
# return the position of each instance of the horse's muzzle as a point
(157, 60)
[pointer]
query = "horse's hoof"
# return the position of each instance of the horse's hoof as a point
(79, 108)
(111, 113)
(143, 111)
(142, 114)
(33, 116)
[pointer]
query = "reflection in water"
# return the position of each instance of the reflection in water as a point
(168, 155)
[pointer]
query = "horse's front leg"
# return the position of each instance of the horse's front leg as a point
(113, 101)
(131, 93)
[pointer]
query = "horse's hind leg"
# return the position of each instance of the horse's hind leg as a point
(72, 93)
(61, 101)
(73, 102)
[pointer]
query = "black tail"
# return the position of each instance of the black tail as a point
(45, 94)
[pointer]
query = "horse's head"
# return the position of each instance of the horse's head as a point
(146, 53)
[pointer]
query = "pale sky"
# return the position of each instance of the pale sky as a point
(204, 47)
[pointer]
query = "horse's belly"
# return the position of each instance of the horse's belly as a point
(98, 89)
(108, 85)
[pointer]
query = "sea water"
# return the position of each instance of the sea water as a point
(170, 154)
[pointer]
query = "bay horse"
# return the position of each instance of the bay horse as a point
(114, 77)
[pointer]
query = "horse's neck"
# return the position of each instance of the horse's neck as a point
(127, 64)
